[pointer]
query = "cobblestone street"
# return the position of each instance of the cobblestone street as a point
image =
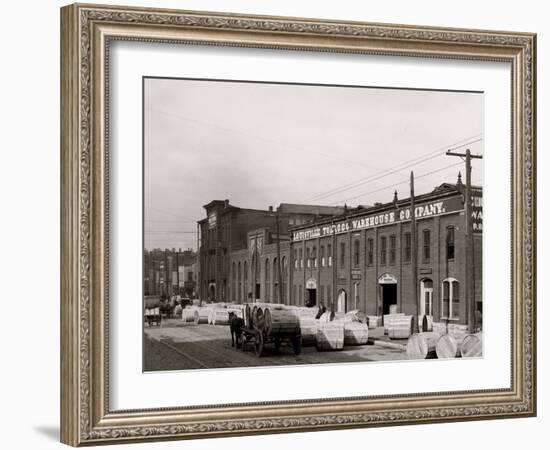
(181, 346)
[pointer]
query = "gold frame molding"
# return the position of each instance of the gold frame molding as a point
(86, 31)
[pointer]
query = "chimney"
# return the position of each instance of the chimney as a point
(226, 203)
(271, 209)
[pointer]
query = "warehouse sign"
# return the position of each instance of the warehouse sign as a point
(385, 218)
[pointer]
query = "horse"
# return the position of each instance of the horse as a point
(235, 325)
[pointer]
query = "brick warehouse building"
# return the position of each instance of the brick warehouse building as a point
(358, 258)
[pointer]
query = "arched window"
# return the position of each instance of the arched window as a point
(308, 258)
(234, 283)
(426, 245)
(450, 242)
(301, 258)
(450, 299)
(267, 280)
(295, 256)
(314, 257)
(329, 255)
(322, 255)
(275, 281)
(240, 277)
(356, 245)
(285, 277)
(245, 280)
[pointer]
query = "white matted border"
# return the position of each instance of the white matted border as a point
(132, 389)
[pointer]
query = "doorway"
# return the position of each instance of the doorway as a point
(311, 299)
(426, 296)
(389, 296)
(257, 291)
(341, 301)
(212, 292)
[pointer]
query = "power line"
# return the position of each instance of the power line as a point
(407, 164)
(395, 185)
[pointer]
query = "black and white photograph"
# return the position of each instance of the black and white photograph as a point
(288, 224)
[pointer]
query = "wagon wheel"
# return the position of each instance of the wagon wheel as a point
(259, 344)
(297, 344)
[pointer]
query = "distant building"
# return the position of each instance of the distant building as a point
(163, 271)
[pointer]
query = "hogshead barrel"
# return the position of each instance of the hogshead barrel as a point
(388, 320)
(355, 333)
(373, 321)
(330, 335)
(204, 313)
(188, 314)
(280, 322)
(308, 329)
(220, 316)
(472, 346)
(422, 345)
(401, 327)
(447, 347)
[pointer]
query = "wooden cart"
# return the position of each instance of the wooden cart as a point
(270, 325)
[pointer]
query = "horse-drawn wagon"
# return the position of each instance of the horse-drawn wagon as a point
(151, 311)
(271, 324)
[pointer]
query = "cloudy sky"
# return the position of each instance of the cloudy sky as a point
(265, 144)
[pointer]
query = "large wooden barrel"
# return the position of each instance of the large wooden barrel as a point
(308, 330)
(422, 345)
(190, 315)
(401, 327)
(394, 309)
(220, 316)
(447, 347)
(280, 322)
(204, 314)
(388, 320)
(472, 346)
(355, 333)
(374, 321)
(330, 335)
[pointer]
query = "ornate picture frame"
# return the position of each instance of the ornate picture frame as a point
(86, 34)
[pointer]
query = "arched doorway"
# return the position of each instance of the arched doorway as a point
(341, 301)
(311, 292)
(426, 304)
(212, 292)
(388, 292)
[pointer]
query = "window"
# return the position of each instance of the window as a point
(426, 245)
(322, 255)
(450, 299)
(450, 242)
(392, 249)
(407, 255)
(189, 276)
(370, 251)
(383, 250)
(308, 258)
(342, 254)
(329, 255)
(295, 255)
(301, 258)
(356, 245)
(314, 257)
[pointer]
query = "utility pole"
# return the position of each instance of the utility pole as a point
(414, 256)
(469, 235)
(280, 284)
